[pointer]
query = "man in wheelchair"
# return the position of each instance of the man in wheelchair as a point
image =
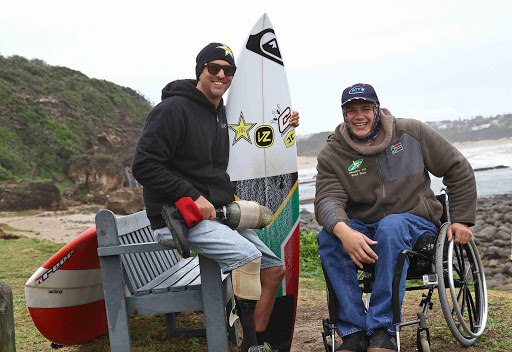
(373, 199)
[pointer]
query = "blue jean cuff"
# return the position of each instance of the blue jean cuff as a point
(348, 332)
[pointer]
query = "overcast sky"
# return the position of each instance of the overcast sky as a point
(429, 60)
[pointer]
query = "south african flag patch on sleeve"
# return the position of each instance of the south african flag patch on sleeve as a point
(396, 148)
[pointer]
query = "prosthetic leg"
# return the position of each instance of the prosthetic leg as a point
(247, 289)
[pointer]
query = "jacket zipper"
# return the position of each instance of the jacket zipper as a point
(383, 188)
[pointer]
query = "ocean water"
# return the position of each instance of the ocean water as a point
(479, 154)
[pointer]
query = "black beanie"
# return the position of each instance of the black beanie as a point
(211, 52)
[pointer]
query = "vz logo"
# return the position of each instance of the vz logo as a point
(265, 44)
(264, 136)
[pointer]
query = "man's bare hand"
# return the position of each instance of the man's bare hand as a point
(294, 119)
(206, 208)
(462, 233)
(356, 244)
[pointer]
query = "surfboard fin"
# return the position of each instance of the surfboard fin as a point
(174, 221)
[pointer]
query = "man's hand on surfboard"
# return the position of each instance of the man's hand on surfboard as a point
(206, 208)
(294, 119)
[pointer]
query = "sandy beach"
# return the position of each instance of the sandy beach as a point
(56, 226)
(497, 142)
(306, 162)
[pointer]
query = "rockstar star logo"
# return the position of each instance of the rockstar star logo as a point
(242, 129)
(227, 50)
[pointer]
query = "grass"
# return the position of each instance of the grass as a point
(21, 257)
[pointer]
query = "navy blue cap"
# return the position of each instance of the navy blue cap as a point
(359, 91)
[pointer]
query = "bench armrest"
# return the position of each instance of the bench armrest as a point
(132, 248)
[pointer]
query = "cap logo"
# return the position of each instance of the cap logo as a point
(227, 50)
(356, 90)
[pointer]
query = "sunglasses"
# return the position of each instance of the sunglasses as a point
(215, 68)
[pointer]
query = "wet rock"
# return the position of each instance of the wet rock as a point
(493, 263)
(494, 252)
(126, 201)
(507, 269)
(27, 195)
(502, 234)
(491, 230)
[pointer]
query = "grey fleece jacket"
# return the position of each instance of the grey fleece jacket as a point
(368, 181)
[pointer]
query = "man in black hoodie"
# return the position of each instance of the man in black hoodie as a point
(183, 151)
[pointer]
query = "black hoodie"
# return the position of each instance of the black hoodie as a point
(183, 151)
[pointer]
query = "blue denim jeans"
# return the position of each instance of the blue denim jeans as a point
(393, 233)
(230, 248)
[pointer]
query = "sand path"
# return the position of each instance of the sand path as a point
(55, 226)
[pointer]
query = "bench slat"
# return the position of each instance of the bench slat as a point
(179, 280)
(157, 257)
(151, 270)
(146, 289)
(185, 281)
(148, 271)
(131, 268)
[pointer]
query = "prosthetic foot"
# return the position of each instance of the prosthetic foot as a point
(174, 221)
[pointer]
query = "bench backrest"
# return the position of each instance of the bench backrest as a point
(141, 268)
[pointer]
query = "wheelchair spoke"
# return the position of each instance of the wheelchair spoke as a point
(471, 310)
(459, 254)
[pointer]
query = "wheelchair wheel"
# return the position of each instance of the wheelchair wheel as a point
(462, 288)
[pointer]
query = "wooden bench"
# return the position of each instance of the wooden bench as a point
(159, 282)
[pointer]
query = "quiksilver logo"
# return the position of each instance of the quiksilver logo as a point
(265, 44)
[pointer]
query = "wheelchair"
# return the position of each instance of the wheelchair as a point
(456, 271)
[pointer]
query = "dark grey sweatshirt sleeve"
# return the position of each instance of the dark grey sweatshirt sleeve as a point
(331, 198)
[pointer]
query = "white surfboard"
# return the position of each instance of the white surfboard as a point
(263, 161)
(259, 96)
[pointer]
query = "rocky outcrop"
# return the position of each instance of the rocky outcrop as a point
(103, 170)
(27, 195)
(100, 175)
(126, 201)
(492, 235)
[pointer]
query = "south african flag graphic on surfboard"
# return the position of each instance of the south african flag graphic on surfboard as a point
(263, 161)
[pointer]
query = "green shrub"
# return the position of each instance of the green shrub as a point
(48, 112)
(309, 259)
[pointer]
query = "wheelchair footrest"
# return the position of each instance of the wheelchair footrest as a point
(328, 333)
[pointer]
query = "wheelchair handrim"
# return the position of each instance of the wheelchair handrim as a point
(483, 286)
